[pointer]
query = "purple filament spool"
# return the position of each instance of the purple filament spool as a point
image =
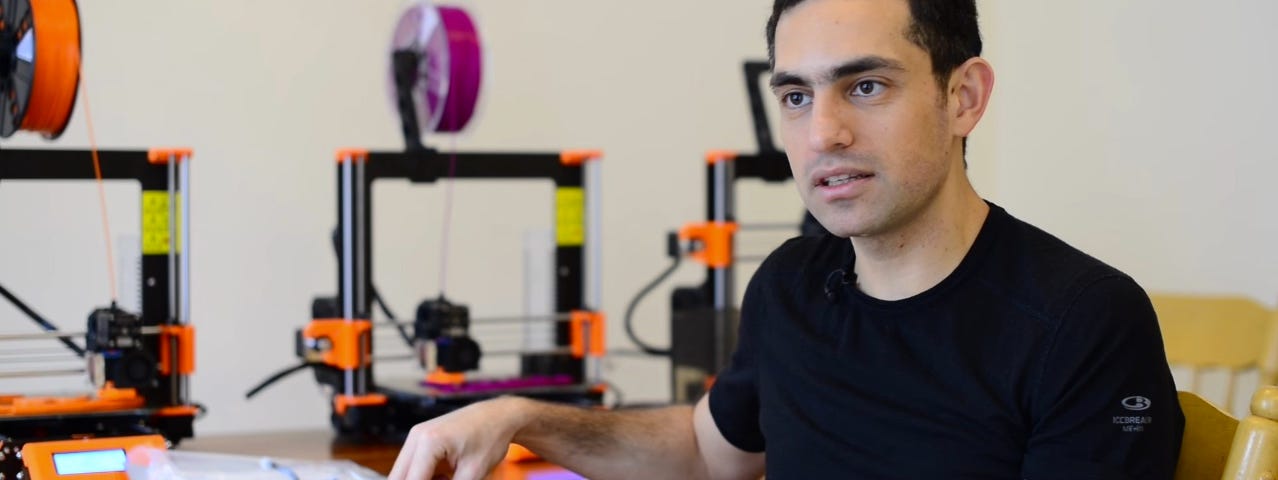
(465, 71)
(446, 86)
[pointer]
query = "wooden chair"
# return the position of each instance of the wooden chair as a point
(1232, 333)
(1216, 445)
(1209, 433)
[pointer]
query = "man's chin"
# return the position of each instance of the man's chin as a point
(845, 219)
(843, 227)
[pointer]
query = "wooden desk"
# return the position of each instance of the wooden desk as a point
(321, 445)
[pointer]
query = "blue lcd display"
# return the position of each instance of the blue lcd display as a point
(101, 461)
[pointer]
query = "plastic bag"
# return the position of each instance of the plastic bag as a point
(155, 464)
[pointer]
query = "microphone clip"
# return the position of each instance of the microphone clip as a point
(834, 281)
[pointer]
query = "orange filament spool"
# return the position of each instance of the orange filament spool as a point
(41, 41)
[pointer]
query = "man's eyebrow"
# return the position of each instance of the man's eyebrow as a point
(850, 68)
(862, 65)
(781, 79)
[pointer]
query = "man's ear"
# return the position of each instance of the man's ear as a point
(969, 94)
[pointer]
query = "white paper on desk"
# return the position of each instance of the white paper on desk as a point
(154, 464)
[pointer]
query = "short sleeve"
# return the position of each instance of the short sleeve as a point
(1105, 406)
(734, 398)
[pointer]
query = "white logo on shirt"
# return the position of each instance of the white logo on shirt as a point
(1136, 403)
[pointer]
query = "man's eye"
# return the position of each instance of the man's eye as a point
(797, 99)
(868, 88)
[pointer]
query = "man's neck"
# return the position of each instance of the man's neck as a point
(919, 255)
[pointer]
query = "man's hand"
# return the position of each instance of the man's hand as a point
(671, 442)
(463, 445)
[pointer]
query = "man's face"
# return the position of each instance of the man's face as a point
(862, 116)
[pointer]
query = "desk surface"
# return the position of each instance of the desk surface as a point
(321, 445)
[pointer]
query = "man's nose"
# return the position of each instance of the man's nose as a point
(830, 128)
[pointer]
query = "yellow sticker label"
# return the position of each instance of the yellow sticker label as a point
(570, 217)
(155, 222)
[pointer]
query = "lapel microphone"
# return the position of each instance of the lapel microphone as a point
(834, 282)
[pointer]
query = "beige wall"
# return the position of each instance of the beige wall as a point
(1142, 132)
(1136, 130)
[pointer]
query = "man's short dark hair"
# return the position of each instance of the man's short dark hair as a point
(946, 29)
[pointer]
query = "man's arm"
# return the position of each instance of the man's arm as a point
(1105, 406)
(672, 442)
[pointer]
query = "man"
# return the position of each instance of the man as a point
(946, 339)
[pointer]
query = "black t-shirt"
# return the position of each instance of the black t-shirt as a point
(1031, 360)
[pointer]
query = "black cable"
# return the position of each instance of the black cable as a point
(275, 378)
(674, 252)
(377, 297)
(616, 392)
(40, 320)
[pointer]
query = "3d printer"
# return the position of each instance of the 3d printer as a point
(139, 362)
(704, 318)
(435, 69)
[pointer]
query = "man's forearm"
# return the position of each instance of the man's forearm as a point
(648, 443)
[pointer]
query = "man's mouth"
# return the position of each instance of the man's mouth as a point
(836, 180)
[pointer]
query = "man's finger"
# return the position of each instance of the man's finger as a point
(404, 459)
(469, 470)
(425, 457)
